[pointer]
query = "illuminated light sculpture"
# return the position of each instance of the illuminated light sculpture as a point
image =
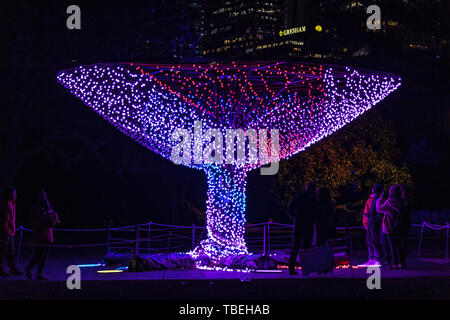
(305, 102)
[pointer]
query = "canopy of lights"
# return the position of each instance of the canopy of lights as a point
(301, 102)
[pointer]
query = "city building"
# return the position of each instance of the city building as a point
(321, 29)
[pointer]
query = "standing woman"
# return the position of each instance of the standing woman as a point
(391, 208)
(45, 219)
(7, 231)
(324, 215)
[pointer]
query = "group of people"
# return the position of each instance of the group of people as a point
(387, 220)
(44, 219)
(310, 210)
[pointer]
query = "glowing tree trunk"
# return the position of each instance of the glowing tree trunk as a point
(225, 209)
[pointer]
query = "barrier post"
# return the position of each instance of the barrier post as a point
(20, 245)
(349, 236)
(264, 240)
(148, 240)
(193, 236)
(447, 240)
(136, 242)
(420, 240)
(168, 240)
(108, 240)
(351, 245)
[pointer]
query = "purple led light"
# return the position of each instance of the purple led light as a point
(304, 102)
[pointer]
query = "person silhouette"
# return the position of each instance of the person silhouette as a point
(391, 208)
(324, 214)
(302, 209)
(44, 220)
(374, 235)
(7, 231)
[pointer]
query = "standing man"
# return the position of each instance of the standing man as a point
(302, 210)
(45, 219)
(374, 236)
(7, 231)
(404, 225)
(324, 215)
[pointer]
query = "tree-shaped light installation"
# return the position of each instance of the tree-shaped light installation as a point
(304, 102)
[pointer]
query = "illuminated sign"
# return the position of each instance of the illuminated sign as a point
(319, 28)
(287, 32)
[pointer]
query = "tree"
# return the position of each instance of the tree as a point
(349, 162)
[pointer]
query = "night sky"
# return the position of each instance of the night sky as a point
(96, 176)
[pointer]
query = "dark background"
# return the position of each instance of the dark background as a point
(96, 176)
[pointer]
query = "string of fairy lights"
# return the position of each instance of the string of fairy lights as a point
(225, 208)
(305, 102)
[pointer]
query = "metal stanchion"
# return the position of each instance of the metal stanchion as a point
(264, 240)
(19, 251)
(447, 241)
(420, 240)
(148, 241)
(193, 236)
(108, 240)
(136, 242)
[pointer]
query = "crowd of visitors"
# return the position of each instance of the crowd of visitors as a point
(44, 219)
(386, 218)
(388, 223)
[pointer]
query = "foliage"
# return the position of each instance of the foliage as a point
(356, 157)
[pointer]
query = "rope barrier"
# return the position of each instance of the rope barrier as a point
(434, 227)
(61, 245)
(175, 227)
(169, 237)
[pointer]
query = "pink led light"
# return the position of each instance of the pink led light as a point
(305, 102)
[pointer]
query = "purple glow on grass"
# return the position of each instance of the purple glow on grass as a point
(304, 102)
(224, 269)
